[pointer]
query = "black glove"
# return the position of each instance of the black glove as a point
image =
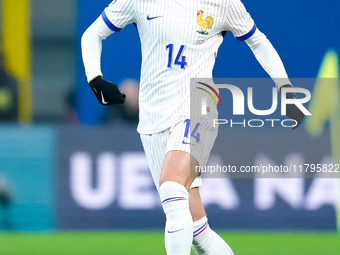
(106, 92)
(292, 111)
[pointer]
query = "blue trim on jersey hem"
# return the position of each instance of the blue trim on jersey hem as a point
(109, 24)
(247, 35)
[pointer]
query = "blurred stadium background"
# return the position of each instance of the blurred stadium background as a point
(73, 175)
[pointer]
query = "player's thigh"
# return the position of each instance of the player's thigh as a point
(188, 147)
(195, 136)
(177, 167)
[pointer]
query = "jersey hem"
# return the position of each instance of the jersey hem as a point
(152, 131)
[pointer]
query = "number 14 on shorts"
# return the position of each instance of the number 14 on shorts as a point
(194, 134)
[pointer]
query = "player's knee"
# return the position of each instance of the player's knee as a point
(181, 180)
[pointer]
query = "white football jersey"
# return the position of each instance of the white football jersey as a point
(179, 40)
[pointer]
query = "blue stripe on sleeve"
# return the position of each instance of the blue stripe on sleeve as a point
(247, 35)
(109, 24)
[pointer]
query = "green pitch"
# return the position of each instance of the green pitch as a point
(151, 242)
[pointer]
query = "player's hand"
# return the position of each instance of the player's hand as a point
(292, 111)
(106, 92)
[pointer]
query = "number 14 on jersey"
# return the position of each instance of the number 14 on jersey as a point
(179, 60)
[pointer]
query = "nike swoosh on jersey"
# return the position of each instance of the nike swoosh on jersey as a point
(150, 18)
(186, 143)
(103, 100)
(174, 231)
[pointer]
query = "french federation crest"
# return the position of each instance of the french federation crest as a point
(205, 24)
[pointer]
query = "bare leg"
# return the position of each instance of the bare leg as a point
(196, 207)
(176, 167)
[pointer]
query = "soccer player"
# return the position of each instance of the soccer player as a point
(179, 41)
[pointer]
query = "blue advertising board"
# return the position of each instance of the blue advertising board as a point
(98, 178)
(103, 182)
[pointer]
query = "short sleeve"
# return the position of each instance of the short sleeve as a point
(118, 14)
(239, 21)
